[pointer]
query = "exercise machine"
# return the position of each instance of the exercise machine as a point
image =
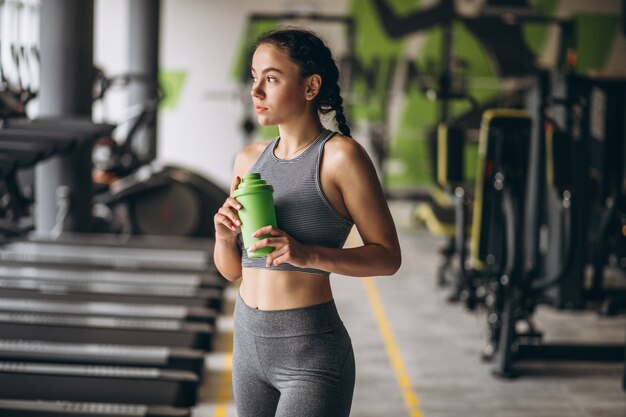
(38, 408)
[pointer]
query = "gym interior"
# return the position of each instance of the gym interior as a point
(497, 129)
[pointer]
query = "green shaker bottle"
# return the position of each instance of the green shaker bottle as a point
(257, 202)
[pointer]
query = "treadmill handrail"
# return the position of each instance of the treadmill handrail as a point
(78, 408)
(45, 273)
(96, 308)
(96, 371)
(106, 322)
(105, 288)
(147, 354)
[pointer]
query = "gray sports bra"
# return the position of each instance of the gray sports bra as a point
(301, 207)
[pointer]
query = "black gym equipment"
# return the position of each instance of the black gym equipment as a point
(125, 328)
(586, 182)
(18, 135)
(158, 200)
(70, 273)
(166, 201)
(130, 241)
(104, 323)
(511, 274)
(449, 212)
(97, 354)
(139, 195)
(90, 329)
(38, 408)
(162, 259)
(110, 293)
(41, 381)
(119, 310)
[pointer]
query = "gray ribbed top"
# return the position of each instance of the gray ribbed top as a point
(301, 207)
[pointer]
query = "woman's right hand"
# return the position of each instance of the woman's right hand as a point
(226, 220)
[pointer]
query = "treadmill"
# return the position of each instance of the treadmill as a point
(35, 151)
(115, 257)
(38, 408)
(90, 329)
(89, 383)
(126, 240)
(62, 141)
(103, 354)
(77, 130)
(74, 273)
(82, 125)
(99, 309)
(111, 293)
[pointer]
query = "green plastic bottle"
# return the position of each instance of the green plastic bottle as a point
(257, 210)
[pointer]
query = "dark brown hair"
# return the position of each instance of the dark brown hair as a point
(312, 55)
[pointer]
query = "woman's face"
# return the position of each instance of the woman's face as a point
(278, 91)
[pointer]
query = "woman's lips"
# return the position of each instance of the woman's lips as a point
(260, 109)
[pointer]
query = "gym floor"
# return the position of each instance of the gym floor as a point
(419, 355)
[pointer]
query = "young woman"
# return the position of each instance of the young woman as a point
(292, 355)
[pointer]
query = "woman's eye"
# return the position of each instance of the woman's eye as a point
(253, 78)
(271, 79)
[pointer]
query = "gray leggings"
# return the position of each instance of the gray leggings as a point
(288, 363)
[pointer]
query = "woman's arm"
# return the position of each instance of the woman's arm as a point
(351, 184)
(226, 252)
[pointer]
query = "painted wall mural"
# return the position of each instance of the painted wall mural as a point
(416, 63)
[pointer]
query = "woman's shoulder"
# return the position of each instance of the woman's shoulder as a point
(345, 158)
(341, 149)
(253, 151)
(248, 155)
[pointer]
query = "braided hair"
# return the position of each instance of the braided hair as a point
(310, 53)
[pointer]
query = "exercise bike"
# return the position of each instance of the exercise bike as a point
(138, 196)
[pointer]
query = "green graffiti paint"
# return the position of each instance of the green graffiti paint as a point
(241, 66)
(378, 58)
(536, 34)
(374, 53)
(595, 35)
(171, 82)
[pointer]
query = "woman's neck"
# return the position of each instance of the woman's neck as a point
(294, 137)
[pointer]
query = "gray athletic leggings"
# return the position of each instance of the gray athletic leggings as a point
(292, 363)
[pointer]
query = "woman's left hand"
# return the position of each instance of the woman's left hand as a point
(286, 248)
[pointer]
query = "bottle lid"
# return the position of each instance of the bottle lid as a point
(252, 183)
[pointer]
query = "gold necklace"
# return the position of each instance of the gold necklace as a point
(299, 149)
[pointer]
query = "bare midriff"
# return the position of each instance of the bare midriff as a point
(268, 289)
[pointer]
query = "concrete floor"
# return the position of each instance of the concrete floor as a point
(418, 355)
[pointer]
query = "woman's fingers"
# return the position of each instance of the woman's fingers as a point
(277, 257)
(227, 221)
(286, 249)
(231, 202)
(267, 230)
(229, 209)
(263, 243)
(281, 250)
(227, 215)
(234, 184)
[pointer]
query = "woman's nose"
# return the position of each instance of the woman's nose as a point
(256, 90)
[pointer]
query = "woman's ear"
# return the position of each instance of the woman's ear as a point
(313, 85)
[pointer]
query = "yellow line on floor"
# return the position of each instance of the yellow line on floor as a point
(224, 394)
(402, 377)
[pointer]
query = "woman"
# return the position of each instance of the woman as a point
(292, 355)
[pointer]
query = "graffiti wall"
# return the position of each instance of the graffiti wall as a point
(407, 65)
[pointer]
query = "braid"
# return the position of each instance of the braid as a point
(340, 117)
(310, 53)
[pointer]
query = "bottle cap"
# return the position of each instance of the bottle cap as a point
(252, 183)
